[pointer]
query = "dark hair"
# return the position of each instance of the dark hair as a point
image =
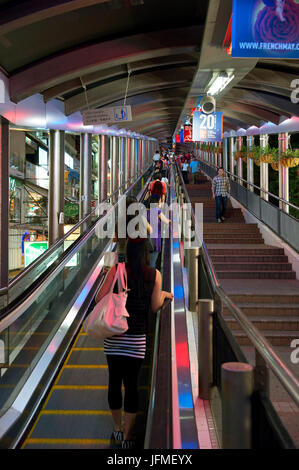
(220, 168)
(158, 176)
(137, 255)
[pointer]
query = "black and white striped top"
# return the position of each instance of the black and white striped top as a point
(126, 345)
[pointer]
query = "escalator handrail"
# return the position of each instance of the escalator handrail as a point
(12, 314)
(52, 248)
(279, 368)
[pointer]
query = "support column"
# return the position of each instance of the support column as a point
(231, 155)
(264, 170)
(129, 156)
(225, 154)
(283, 144)
(104, 167)
(250, 163)
(133, 159)
(121, 164)
(56, 187)
(98, 160)
(240, 161)
(4, 201)
(85, 175)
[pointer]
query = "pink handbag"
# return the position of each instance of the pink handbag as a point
(109, 316)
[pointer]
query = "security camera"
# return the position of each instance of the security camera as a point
(208, 104)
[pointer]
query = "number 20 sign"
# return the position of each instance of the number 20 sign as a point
(207, 127)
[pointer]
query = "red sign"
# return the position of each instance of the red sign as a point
(188, 133)
(177, 138)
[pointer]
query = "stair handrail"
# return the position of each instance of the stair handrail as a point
(279, 368)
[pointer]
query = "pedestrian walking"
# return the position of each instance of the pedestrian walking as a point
(221, 191)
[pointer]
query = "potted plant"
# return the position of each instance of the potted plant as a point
(290, 158)
(240, 153)
(268, 154)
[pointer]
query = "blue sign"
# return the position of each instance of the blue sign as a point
(182, 135)
(265, 28)
(207, 127)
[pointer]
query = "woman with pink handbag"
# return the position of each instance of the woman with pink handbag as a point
(125, 352)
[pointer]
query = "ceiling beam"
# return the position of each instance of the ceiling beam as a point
(88, 58)
(21, 14)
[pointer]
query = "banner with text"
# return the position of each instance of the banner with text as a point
(207, 127)
(188, 133)
(265, 28)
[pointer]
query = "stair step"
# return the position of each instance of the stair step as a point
(246, 251)
(270, 323)
(232, 235)
(256, 274)
(249, 259)
(253, 266)
(276, 338)
(251, 241)
(265, 300)
(267, 309)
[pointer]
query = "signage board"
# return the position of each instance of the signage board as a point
(265, 28)
(188, 133)
(94, 117)
(33, 250)
(207, 127)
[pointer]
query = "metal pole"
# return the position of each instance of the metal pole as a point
(237, 386)
(231, 154)
(56, 186)
(283, 143)
(205, 347)
(264, 170)
(193, 254)
(225, 154)
(4, 200)
(85, 176)
(99, 165)
(240, 161)
(104, 167)
(250, 164)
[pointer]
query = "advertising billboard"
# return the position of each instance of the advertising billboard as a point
(188, 133)
(265, 28)
(207, 127)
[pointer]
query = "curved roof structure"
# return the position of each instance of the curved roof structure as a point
(158, 55)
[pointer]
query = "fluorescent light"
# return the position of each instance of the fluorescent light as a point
(220, 83)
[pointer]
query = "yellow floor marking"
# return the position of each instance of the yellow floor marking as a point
(76, 412)
(86, 366)
(80, 387)
(88, 349)
(69, 441)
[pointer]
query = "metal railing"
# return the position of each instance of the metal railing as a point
(61, 301)
(283, 224)
(265, 354)
(40, 264)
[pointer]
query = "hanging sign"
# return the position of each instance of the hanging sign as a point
(94, 117)
(188, 133)
(207, 127)
(265, 28)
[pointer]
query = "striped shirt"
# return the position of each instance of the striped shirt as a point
(221, 186)
(126, 345)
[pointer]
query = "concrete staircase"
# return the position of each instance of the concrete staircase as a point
(251, 272)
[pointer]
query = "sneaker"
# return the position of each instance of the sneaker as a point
(117, 436)
(222, 218)
(128, 444)
(219, 221)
